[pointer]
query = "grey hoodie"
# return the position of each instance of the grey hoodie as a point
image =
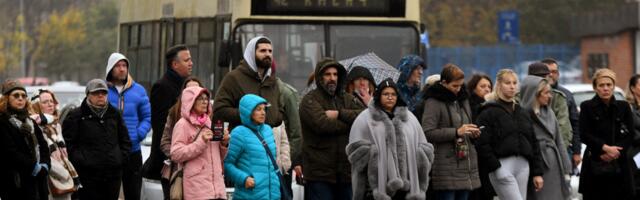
(250, 55)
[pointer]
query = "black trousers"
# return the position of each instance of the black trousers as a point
(100, 185)
(132, 177)
(166, 188)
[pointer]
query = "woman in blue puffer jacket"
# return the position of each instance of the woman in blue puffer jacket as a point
(247, 163)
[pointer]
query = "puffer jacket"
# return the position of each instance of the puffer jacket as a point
(248, 158)
(410, 94)
(447, 112)
(133, 104)
(202, 160)
(323, 147)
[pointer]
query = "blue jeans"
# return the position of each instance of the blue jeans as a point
(321, 190)
(452, 194)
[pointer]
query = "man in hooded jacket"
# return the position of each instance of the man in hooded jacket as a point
(252, 76)
(326, 115)
(411, 68)
(130, 98)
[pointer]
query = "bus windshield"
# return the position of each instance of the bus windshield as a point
(298, 47)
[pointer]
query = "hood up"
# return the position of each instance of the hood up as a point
(250, 54)
(528, 90)
(247, 104)
(113, 59)
(407, 65)
(322, 66)
(188, 98)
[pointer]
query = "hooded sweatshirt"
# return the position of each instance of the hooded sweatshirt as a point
(202, 160)
(248, 158)
(410, 94)
(132, 102)
(245, 80)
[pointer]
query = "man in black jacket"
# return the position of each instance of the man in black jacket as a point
(164, 93)
(98, 143)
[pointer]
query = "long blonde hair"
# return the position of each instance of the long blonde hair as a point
(497, 92)
(541, 86)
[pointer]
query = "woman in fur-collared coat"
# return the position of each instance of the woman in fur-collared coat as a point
(389, 154)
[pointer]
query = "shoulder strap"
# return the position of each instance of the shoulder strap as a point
(266, 148)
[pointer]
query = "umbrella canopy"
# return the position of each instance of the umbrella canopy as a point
(380, 69)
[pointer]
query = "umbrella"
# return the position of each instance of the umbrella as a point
(380, 69)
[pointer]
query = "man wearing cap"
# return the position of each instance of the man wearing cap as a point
(558, 102)
(98, 143)
(326, 115)
(131, 100)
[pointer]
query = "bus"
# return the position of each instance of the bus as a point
(302, 33)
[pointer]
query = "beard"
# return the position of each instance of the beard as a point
(263, 63)
(330, 87)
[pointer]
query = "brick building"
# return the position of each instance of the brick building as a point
(610, 39)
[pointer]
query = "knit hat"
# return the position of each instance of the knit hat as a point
(11, 85)
(360, 72)
(385, 84)
(96, 85)
(603, 73)
(539, 69)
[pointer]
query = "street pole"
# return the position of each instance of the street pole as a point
(23, 45)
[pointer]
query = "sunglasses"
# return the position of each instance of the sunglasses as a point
(19, 95)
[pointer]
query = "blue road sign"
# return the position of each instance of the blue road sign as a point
(508, 27)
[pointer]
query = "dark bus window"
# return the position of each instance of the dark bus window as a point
(191, 33)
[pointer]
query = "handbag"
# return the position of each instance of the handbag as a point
(284, 193)
(176, 190)
(60, 180)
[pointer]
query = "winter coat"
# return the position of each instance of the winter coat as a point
(164, 94)
(508, 132)
(132, 103)
(448, 112)
(598, 123)
(290, 100)
(576, 145)
(323, 147)
(201, 160)
(245, 80)
(16, 173)
(410, 94)
(248, 158)
(96, 143)
(560, 108)
(556, 163)
(635, 149)
(283, 149)
(475, 103)
(389, 155)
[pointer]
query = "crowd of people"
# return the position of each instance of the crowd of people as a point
(349, 138)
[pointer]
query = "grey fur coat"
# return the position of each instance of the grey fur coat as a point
(389, 155)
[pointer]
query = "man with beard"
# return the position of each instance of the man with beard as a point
(326, 115)
(252, 76)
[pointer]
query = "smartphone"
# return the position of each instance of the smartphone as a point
(218, 131)
(481, 128)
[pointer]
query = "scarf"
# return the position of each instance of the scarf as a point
(19, 119)
(97, 110)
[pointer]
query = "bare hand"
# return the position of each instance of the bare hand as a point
(606, 157)
(469, 129)
(612, 151)
(298, 170)
(364, 94)
(56, 155)
(249, 183)
(331, 114)
(538, 183)
(225, 137)
(577, 159)
(207, 134)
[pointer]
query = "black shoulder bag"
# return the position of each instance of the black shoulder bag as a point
(284, 193)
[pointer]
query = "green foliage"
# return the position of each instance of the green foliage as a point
(467, 23)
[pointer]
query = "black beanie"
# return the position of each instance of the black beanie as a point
(360, 72)
(385, 84)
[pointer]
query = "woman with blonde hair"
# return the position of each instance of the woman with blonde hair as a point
(507, 147)
(63, 176)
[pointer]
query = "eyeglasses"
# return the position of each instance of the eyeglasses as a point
(202, 98)
(48, 101)
(19, 95)
(390, 95)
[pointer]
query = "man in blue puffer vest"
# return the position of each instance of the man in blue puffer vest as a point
(131, 100)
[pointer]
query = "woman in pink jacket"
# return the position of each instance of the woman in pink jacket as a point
(192, 146)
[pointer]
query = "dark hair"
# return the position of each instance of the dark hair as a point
(172, 54)
(475, 79)
(630, 96)
(450, 73)
(189, 79)
(262, 41)
(549, 61)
